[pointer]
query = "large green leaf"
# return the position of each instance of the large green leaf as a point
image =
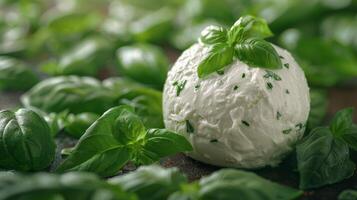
(323, 159)
(26, 142)
(258, 53)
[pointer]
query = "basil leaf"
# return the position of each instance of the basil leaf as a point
(350, 137)
(76, 125)
(74, 185)
(250, 27)
(144, 63)
(161, 143)
(99, 149)
(151, 182)
(128, 127)
(84, 59)
(15, 75)
(71, 93)
(26, 143)
(348, 195)
(230, 183)
(341, 121)
(219, 56)
(213, 35)
(323, 159)
(318, 107)
(258, 53)
(146, 102)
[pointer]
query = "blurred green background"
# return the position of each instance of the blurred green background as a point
(140, 40)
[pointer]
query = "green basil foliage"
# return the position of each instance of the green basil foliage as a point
(151, 182)
(84, 59)
(76, 125)
(348, 195)
(323, 156)
(15, 75)
(333, 64)
(243, 41)
(26, 142)
(71, 93)
(318, 108)
(230, 184)
(147, 102)
(73, 185)
(117, 137)
(144, 63)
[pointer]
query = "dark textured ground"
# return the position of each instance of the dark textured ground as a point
(284, 174)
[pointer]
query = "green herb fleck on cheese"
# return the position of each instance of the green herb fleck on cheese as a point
(269, 86)
(272, 75)
(220, 72)
(236, 87)
(278, 115)
(189, 127)
(245, 123)
(287, 131)
(214, 141)
(179, 86)
(287, 91)
(286, 65)
(243, 75)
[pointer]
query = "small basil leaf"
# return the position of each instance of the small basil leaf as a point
(219, 56)
(323, 159)
(253, 27)
(26, 142)
(15, 75)
(161, 143)
(97, 148)
(76, 125)
(213, 35)
(144, 63)
(230, 183)
(151, 182)
(341, 121)
(348, 195)
(128, 126)
(350, 137)
(258, 53)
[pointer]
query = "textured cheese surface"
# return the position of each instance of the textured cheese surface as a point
(237, 119)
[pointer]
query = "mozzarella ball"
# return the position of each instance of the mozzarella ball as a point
(242, 117)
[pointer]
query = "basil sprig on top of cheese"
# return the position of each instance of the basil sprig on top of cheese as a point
(243, 41)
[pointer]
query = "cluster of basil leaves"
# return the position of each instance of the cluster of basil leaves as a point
(146, 183)
(323, 156)
(243, 41)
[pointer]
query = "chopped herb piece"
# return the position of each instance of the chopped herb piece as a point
(286, 65)
(179, 86)
(220, 72)
(287, 91)
(236, 87)
(299, 126)
(213, 140)
(278, 115)
(189, 127)
(269, 85)
(245, 123)
(272, 75)
(243, 75)
(281, 57)
(287, 131)
(197, 86)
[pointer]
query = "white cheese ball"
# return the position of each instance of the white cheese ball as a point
(243, 118)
